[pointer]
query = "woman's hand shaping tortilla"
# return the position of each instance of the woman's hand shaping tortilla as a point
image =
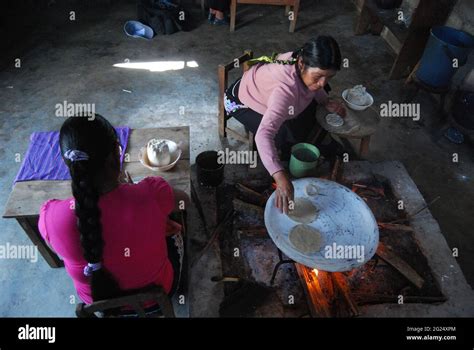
(284, 192)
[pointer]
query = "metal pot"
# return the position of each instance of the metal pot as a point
(209, 171)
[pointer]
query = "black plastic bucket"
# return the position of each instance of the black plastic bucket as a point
(209, 171)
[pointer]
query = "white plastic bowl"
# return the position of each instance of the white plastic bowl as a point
(175, 153)
(354, 106)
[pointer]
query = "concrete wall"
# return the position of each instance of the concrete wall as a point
(462, 16)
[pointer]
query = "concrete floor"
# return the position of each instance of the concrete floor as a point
(76, 64)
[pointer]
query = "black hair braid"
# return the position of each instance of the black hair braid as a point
(98, 139)
(87, 212)
(297, 53)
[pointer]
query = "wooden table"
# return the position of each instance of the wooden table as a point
(293, 5)
(357, 125)
(27, 197)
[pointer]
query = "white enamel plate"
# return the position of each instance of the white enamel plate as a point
(348, 228)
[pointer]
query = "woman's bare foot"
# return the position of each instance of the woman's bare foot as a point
(219, 14)
(220, 19)
(212, 16)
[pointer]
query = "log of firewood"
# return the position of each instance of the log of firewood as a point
(317, 302)
(400, 265)
(258, 231)
(343, 287)
(247, 208)
(328, 294)
(327, 284)
(254, 196)
(229, 216)
(395, 227)
(335, 169)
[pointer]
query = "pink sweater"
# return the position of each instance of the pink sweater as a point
(276, 92)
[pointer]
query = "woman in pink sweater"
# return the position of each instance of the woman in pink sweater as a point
(277, 99)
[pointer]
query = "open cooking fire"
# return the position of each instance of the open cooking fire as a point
(328, 292)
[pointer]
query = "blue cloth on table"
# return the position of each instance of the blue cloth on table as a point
(43, 159)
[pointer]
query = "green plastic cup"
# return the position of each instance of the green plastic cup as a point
(304, 159)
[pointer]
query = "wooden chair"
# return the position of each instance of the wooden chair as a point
(289, 4)
(110, 306)
(223, 74)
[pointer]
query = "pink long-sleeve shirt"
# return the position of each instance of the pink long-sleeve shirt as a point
(133, 221)
(278, 93)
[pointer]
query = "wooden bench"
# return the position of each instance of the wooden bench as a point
(290, 5)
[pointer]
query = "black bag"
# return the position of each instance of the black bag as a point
(163, 16)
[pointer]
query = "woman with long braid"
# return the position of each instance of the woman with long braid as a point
(276, 99)
(111, 236)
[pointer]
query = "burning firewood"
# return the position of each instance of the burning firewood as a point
(317, 300)
(328, 293)
(340, 280)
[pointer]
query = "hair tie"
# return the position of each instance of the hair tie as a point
(75, 155)
(89, 268)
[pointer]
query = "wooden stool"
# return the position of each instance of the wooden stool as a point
(135, 301)
(442, 92)
(295, 4)
(357, 125)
